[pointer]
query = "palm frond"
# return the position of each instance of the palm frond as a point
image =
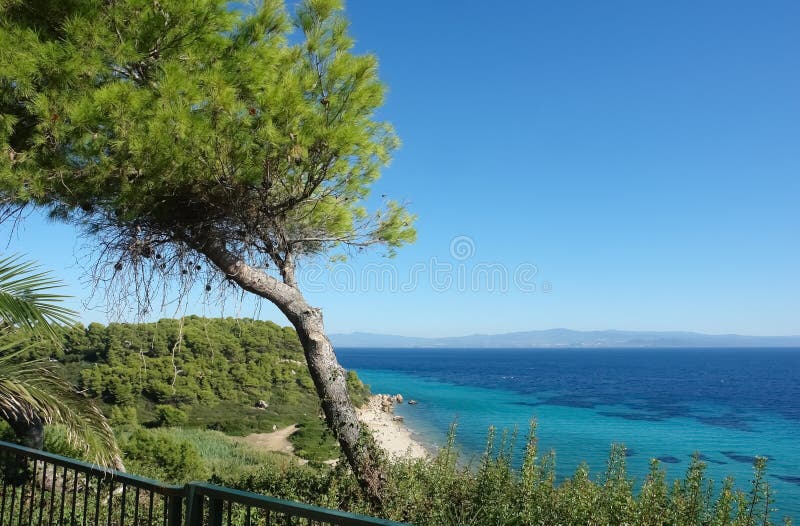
(34, 390)
(27, 299)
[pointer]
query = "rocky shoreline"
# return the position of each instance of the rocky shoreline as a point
(389, 430)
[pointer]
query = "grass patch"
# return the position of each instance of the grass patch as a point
(223, 455)
(315, 442)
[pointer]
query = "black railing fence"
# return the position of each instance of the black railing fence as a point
(40, 488)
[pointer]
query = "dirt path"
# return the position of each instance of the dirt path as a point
(275, 441)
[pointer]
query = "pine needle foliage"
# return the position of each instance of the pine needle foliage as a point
(156, 125)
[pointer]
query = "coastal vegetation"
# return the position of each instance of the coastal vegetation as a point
(448, 491)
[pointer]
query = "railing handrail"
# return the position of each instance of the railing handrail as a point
(191, 494)
(299, 509)
(96, 470)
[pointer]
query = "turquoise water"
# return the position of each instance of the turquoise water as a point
(728, 431)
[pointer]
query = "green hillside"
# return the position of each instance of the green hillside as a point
(201, 373)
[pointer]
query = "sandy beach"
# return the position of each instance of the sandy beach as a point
(392, 435)
(378, 414)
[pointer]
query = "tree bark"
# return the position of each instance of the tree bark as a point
(29, 431)
(328, 376)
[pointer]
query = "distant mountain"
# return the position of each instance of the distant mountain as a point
(566, 338)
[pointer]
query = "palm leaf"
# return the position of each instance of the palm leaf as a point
(32, 389)
(27, 299)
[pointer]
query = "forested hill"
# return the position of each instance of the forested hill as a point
(200, 372)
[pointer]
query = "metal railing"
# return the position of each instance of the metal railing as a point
(40, 488)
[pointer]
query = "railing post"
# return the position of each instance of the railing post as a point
(175, 507)
(194, 506)
(215, 512)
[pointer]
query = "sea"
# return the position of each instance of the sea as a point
(729, 405)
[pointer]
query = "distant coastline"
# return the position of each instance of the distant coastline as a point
(566, 338)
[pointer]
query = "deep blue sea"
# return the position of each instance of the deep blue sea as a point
(728, 404)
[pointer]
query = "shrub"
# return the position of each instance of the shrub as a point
(160, 456)
(124, 418)
(359, 391)
(168, 416)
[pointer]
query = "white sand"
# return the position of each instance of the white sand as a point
(393, 436)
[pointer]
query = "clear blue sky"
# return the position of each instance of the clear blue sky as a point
(644, 156)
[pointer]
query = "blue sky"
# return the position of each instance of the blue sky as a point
(643, 157)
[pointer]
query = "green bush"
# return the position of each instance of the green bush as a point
(162, 457)
(168, 416)
(314, 441)
(56, 441)
(359, 392)
(124, 418)
(222, 455)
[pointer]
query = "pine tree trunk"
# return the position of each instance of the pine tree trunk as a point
(330, 381)
(329, 377)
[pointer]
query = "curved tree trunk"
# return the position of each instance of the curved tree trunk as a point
(330, 381)
(29, 432)
(329, 377)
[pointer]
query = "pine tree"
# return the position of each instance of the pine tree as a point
(200, 144)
